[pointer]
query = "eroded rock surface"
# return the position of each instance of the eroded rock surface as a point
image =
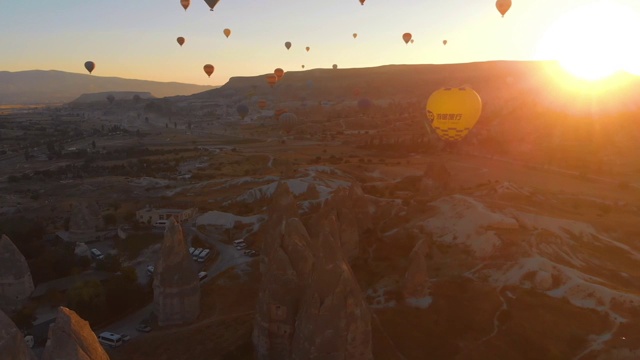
(12, 344)
(176, 287)
(71, 338)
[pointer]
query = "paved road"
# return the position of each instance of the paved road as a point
(229, 257)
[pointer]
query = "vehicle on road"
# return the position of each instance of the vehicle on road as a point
(240, 246)
(125, 337)
(197, 253)
(204, 255)
(96, 254)
(202, 275)
(111, 339)
(251, 253)
(142, 327)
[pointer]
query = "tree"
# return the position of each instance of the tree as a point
(88, 300)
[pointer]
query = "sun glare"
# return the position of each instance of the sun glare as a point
(594, 41)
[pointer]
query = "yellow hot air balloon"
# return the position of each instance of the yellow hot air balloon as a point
(452, 112)
(227, 32)
(406, 37)
(180, 40)
(355, 35)
(185, 4)
(208, 69)
(503, 6)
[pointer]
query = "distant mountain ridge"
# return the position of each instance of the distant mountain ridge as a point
(52, 86)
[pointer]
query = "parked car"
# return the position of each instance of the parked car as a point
(202, 275)
(125, 337)
(96, 254)
(142, 327)
(251, 253)
(150, 269)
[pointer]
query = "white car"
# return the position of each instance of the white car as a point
(202, 275)
(150, 269)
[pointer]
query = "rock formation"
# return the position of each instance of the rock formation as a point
(12, 344)
(85, 220)
(436, 179)
(300, 273)
(176, 288)
(16, 283)
(416, 279)
(286, 267)
(71, 338)
(334, 321)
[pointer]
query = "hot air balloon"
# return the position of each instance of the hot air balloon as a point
(362, 2)
(412, 41)
(272, 80)
(110, 98)
(208, 69)
(444, 42)
(503, 6)
(89, 65)
(279, 112)
(226, 32)
(303, 66)
(288, 121)
(287, 45)
(243, 110)
(308, 48)
(335, 66)
(279, 73)
(355, 35)
(452, 112)
(185, 4)
(406, 37)
(262, 104)
(180, 40)
(212, 3)
(364, 104)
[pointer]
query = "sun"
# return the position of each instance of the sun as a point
(594, 41)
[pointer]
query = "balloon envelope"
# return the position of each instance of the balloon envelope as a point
(452, 112)
(355, 35)
(212, 3)
(335, 66)
(272, 80)
(89, 65)
(288, 120)
(503, 6)
(406, 37)
(185, 4)
(278, 73)
(308, 48)
(362, 2)
(444, 42)
(208, 69)
(243, 110)
(180, 40)
(287, 45)
(364, 104)
(227, 32)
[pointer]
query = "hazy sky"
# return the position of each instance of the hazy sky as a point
(137, 38)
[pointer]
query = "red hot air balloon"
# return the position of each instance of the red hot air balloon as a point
(208, 69)
(185, 4)
(279, 73)
(406, 37)
(180, 40)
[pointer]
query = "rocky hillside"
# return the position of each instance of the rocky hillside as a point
(46, 87)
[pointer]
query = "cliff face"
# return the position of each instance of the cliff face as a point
(416, 279)
(12, 344)
(334, 321)
(309, 306)
(16, 283)
(71, 338)
(176, 288)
